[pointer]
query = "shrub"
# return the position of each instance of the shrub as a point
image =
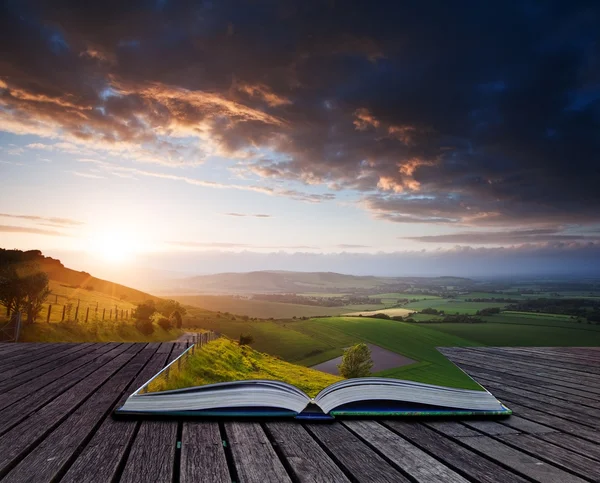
(176, 319)
(381, 316)
(165, 323)
(246, 339)
(145, 326)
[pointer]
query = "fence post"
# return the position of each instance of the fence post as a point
(63, 315)
(87, 313)
(110, 315)
(103, 312)
(56, 299)
(18, 327)
(77, 312)
(49, 311)
(121, 314)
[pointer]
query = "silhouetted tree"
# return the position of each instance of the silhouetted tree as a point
(246, 339)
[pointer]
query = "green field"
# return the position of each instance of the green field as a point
(265, 309)
(499, 334)
(310, 342)
(452, 306)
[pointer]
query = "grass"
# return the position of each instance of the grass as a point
(265, 309)
(413, 341)
(223, 360)
(451, 306)
(64, 294)
(310, 342)
(501, 332)
(109, 332)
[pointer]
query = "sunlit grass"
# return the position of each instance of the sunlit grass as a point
(223, 360)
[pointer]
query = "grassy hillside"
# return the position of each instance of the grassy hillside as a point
(224, 360)
(310, 342)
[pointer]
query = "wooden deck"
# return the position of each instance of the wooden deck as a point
(56, 425)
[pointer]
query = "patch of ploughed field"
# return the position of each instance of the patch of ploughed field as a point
(382, 359)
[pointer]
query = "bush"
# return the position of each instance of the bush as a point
(176, 319)
(246, 339)
(146, 327)
(165, 323)
(381, 316)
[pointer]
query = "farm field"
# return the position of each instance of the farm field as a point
(453, 306)
(391, 312)
(511, 334)
(403, 295)
(266, 309)
(413, 341)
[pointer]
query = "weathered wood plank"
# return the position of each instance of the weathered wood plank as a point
(254, 458)
(591, 381)
(537, 358)
(453, 454)
(307, 459)
(532, 385)
(49, 357)
(573, 443)
(152, 462)
(19, 440)
(154, 439)
(491, 428)
(25, 356)
(352, 454)
(61, 360)
(569, 460)
(527, 465)
(102, 456)
(526, 426)
(9, 397)
(202, 454)
(47, 460)
(410, 459)
(15, 413)
(547, 377)
(556, 422)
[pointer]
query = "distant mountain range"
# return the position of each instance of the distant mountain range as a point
(297, 282)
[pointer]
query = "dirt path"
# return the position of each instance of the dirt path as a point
(382, 359)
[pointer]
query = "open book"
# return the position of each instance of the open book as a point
(367, 396)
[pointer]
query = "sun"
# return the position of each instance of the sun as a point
(115, 249)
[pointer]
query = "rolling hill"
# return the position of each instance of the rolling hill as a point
(73, 279)
(298, 282)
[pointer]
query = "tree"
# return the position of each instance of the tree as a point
(144, 311)
(176, 319)
(35, 289)
(23, 287)
(167, 307)
(356, 361)
(11, 290)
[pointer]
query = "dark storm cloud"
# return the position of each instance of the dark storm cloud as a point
(514, 237)
(460, 113)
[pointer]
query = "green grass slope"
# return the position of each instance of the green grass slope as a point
(223, 360)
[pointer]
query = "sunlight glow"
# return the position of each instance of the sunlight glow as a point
(115, 249)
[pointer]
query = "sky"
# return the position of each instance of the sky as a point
(386, 137)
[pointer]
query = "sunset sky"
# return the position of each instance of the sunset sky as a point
(379, 129)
